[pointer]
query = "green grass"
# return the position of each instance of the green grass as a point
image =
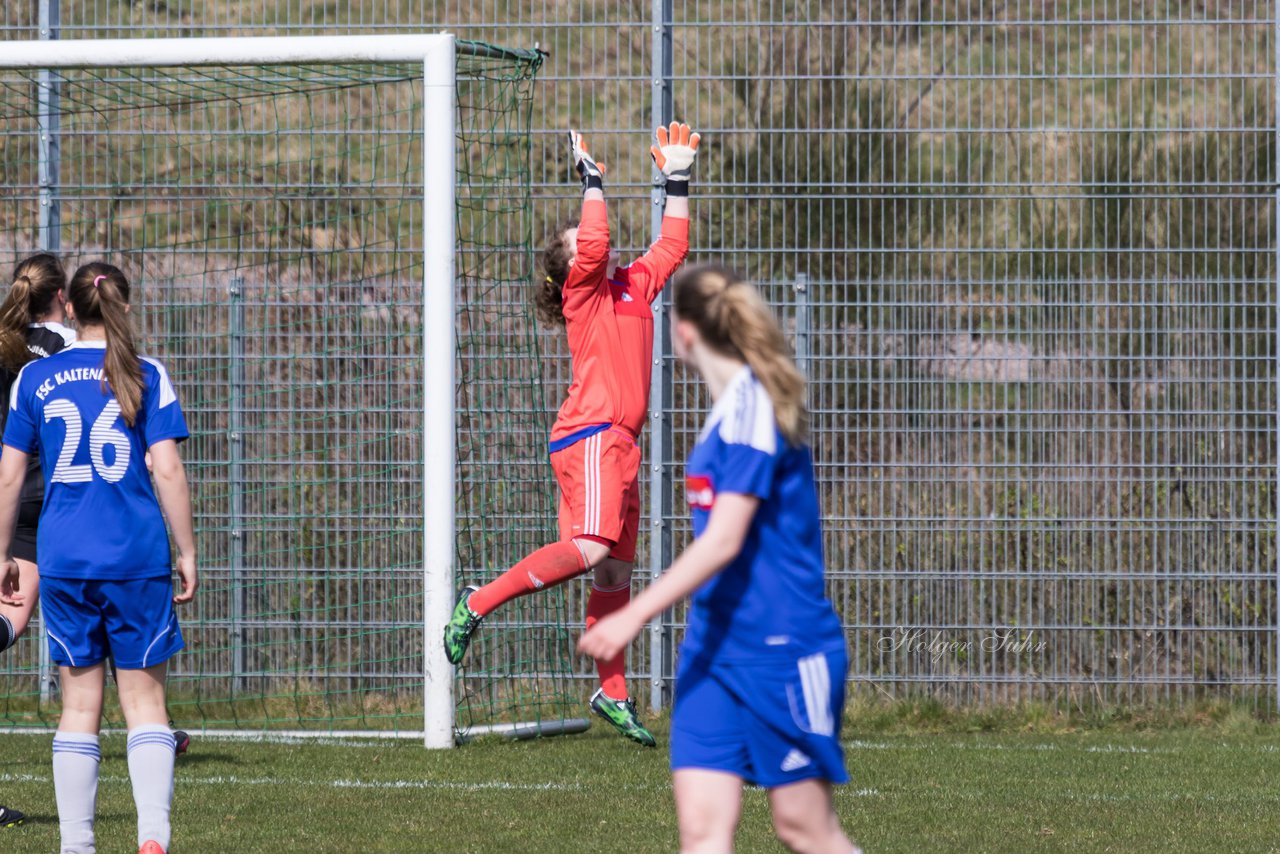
(1056, 788)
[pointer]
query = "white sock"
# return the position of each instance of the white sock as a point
(76, 756)
(151, 750)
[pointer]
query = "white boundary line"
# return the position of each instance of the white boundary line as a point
(284, 736)
(536, 729)
(857, 744)
(508, 786)
(450, 785)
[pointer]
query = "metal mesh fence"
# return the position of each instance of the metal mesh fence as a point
(1037, 244)
(1040, 286)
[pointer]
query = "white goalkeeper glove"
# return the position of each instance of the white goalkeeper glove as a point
(674, 154)
(589, 169)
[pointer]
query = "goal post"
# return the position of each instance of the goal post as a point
(438, 454)
(198, 217)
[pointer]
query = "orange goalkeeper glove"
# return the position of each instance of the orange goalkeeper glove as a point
(589, 169)
(674, 154)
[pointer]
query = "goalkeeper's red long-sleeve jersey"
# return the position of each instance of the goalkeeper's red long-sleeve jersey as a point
(610, 328)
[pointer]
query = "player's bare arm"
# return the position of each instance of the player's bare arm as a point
(174, 494)
(13, 471)
(707, 555)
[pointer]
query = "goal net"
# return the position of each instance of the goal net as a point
(276, 215)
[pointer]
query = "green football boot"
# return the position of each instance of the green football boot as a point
(457, 633)
(622, 714)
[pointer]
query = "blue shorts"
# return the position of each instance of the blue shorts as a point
(89, 621)
(770, 723)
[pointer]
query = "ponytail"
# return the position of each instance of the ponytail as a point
(733, 320)
(99, 294)
(36, 282)
(15, 314)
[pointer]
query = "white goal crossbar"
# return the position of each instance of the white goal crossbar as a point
(256, 50)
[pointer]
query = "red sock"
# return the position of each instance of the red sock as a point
(600, 604)
(546, 567)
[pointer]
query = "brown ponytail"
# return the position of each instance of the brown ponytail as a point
(36, 282)
(99, 295)
(734, 321)
(548, 298)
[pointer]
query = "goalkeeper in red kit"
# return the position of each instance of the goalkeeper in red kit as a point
(604, 307)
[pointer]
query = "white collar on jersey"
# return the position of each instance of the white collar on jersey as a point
(744, 415)
(67, 334)
(726, 403)
(87, 345)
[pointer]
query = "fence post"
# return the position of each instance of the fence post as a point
(48, 123)
(801, 297)
(49, 230)
(660, 634)
(1275, 218)
(235, 476)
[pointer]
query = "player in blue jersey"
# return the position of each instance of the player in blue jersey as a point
(760, 683)
(94, 411)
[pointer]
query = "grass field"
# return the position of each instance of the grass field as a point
(1029, 788)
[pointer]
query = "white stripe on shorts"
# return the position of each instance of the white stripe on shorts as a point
(586, 481)
(595, 468)
(70, 657)
(156, 640)
(815, 679)
(591, 477)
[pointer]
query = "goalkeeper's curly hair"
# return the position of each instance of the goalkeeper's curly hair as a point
(548, 297)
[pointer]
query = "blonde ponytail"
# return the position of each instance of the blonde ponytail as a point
(755, 333)
(733, 320)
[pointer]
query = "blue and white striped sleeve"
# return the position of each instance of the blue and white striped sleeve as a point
(20, 429)
(164, 418)
(748, 435)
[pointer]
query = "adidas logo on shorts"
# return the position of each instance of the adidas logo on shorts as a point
(795, 760)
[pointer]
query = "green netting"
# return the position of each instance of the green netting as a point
(271, 221)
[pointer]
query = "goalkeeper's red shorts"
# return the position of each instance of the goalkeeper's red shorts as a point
(600, 490)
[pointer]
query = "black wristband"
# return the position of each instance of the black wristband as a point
(677, 188)
(592, 182)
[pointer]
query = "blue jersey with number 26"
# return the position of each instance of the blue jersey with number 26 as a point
(100, 519)
(770, 601)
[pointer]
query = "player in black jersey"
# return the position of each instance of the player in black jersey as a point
(31, 319)
(31, 327)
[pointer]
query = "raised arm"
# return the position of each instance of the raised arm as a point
(673, 155)
(593, 228)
